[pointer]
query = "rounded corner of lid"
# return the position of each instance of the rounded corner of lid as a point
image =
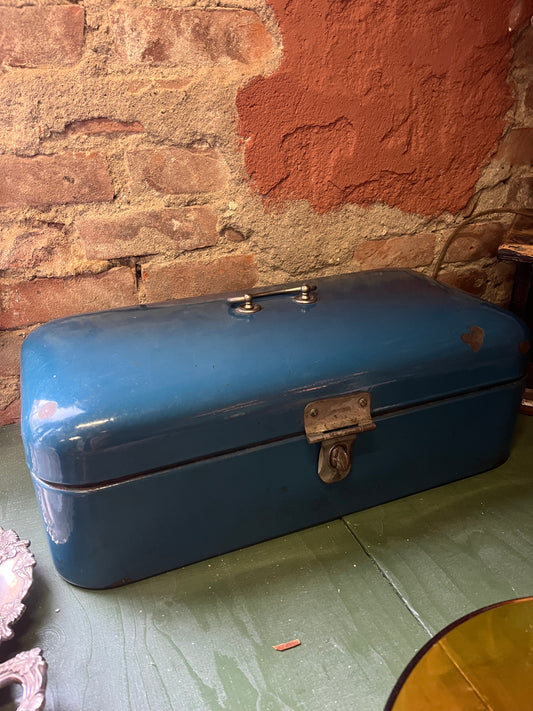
(48, 434)
(35, 337)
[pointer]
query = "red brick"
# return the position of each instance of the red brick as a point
(500, 287)
(472, 280)
(520, 193)
(475, 242)
(137, 87)
(233, 235)
(54, 180)
(37, 250)
(9, 391)
(528, 99)
(178, 170)
(178, 280)
(11, 414)
(93, 127)
(517, 147)
(139, 233)
(523, 49)
(523, 222)
(188, 36)
(32, 36)
(9, 401)
(171, 84)
(404, 251)
(493, 282)
(10, 344)
(40, 300)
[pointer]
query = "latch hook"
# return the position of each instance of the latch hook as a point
(335, 459)
(335, 423)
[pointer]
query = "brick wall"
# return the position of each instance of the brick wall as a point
(123, 181)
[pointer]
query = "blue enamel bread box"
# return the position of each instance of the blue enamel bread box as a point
(164, 434)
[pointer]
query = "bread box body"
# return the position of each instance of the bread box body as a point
(164, 434)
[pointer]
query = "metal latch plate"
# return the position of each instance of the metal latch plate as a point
(338, 417)
(335, 422)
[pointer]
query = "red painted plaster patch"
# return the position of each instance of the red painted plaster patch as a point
(399, 102)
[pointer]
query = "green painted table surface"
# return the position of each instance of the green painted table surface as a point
(363, 594)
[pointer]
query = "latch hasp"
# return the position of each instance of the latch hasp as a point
(335, 422)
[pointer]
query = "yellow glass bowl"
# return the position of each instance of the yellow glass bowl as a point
(481, 662)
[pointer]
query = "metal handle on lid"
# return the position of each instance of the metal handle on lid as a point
(245, 304)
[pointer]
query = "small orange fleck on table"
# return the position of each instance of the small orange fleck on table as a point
(287, 645)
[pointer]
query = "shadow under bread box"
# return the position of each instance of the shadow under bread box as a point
(164, 434)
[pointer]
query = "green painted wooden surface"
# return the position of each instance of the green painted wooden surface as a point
(456, 548)
(201, 637)
(362, 595)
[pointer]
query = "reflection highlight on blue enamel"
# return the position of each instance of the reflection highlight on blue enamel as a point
(56, 511)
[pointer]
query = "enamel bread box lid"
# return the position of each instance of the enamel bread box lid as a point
(163, 434)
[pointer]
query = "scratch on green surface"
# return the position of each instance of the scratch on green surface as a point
(88, 643)
(389, 580)
(155, 670)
